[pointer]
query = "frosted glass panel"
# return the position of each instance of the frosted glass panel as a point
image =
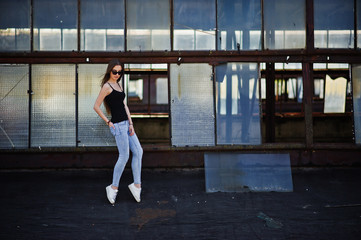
(192, 112)
(55, 25)
(15, 25)
(14, 105)
(92, 129)
(238, 115)
(194, 25)
(335, 95)
(148, 25)
(284, 24)
(100, 30)
(239, 22)
(356, 89)
(53, 105)
(334, 23)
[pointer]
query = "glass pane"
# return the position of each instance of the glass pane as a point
(358, 17)
(238, 115)
(284, 24)
(334, 23)
(92, 130)
(356, 89)
(15, 25)
(55, 25)
(137, 88)
(148, 25)
(100, 30)
(14, 105)
(244, 172)
(239, 24)
(53, 105)
(161, 88)
(194, 25)
(335, 95)
(192, 110)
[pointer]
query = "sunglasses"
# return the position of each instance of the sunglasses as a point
(115, 72)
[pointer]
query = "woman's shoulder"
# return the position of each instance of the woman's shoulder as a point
(106, 88)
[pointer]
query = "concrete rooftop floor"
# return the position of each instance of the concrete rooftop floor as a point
(71, 204)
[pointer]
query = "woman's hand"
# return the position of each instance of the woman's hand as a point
(131, 130)
(111, 125)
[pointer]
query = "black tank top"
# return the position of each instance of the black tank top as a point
(115, 102)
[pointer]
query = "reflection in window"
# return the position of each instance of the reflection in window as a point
(148, 25)
(102, 30)
(284, 24)
(55, 25)
(14, 102)
(238, 114)
(239, 24)
(194, 25)
(334, 23)
(15, 25)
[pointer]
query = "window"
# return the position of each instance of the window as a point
(194, 25)
(148, 92)
(284, 24)
(14, 106)
(55, 25)
(334, 23)
(53, 105)
(238, 113)
(102, 30)
(15, 25)
(239, 24)
(148, 25)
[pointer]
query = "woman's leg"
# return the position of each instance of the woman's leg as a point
(121, 138)
(137, 154)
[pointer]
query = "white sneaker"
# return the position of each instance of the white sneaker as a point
(135, 191)
(111, 194)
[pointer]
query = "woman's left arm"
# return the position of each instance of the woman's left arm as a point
(131, 127)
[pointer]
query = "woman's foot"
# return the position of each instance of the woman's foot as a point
(135, 191)
(111, 193)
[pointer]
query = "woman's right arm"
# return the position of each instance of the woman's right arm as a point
(104, 91)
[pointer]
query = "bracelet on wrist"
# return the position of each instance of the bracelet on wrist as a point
(108, 122)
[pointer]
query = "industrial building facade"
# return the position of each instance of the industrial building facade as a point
(200, 75)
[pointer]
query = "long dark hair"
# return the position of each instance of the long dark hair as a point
(111, 65)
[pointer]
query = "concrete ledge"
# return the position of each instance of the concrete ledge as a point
(165, 156)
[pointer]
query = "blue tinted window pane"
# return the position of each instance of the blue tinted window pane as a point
(238, 115)
(284, 24)
(15, 25)
(239, 24)
(334, 23)
(148, 25)
(194, 25)
(55, 25)
(356, 81)
(102, 30)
